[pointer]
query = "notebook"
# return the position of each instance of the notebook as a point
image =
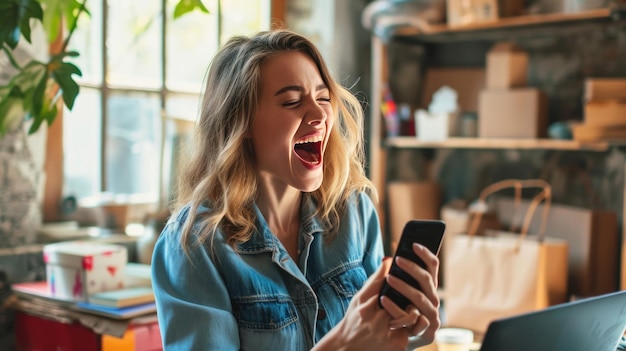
(594, 323)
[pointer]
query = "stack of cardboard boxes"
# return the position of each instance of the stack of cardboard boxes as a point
(508, 107)
(605, 111)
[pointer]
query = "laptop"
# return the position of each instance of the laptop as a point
(591, 324)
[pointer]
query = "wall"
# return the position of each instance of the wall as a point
(335, 27)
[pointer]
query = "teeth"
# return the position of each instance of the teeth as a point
(311, 139)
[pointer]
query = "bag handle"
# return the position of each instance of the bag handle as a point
(518, 185)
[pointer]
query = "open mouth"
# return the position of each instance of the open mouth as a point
(309, 149)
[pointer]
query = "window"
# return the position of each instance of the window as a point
(140, 67)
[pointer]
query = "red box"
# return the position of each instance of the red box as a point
(39, 334)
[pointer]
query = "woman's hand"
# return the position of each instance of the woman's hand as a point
(424, 301)
(365, 325)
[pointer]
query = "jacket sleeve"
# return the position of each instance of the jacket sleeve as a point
(193, 305)
(373, 252)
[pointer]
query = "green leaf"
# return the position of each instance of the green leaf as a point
(51, 114)
(60, 56)
(63, 77)
(74, 10)
(11, 113)
(186, 6)
(15, 16)
(52, 18)
(28, 77)
(35, 126)
(57, 11)
(38, 98)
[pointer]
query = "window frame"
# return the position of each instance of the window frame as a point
(53, 188)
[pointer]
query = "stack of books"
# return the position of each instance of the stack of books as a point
(132, 301)
(121, 303)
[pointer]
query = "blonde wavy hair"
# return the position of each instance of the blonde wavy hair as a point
(220, 169)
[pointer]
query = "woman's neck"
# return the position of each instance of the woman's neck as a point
(280, 206)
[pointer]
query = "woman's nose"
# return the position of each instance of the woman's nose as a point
(316, 115)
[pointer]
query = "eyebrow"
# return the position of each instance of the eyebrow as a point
(298, 88)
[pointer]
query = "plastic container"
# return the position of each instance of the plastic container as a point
(454, 339)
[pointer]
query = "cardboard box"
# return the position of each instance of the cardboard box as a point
(585, 132)
(511, 8)
(411, 200)
(592, 237)
(605, 89)
(467, 82)
(515, 113)
(463, 12)
(605, 113)
(76, 269)
(507, 66)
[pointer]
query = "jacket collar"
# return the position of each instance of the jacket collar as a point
(262, 239)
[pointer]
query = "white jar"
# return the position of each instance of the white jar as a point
(454, 339)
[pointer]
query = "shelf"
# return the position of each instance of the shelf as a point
(441, 32)
(477, 143)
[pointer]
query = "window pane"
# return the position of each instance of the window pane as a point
(87, 41)
(81, 145)
(134, 43)
(182, 106)
(244, 17)
(133, 139)
(191, 43)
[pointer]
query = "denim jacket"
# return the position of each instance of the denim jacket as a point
(257, 297)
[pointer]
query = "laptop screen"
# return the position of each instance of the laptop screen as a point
(590, 324)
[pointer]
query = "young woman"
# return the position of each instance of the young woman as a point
(275, 233)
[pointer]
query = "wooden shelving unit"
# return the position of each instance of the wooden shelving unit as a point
(502, 29)
(478, 143)
(507, 22)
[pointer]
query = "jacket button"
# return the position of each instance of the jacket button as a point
(321, 314)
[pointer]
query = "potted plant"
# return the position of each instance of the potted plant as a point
(32, 93)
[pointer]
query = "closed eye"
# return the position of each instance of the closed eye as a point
(324, 99)
(291, 103)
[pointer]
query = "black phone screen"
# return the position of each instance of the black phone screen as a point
(428, 233)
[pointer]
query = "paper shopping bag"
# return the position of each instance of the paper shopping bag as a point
(504, 274)
(593, 239)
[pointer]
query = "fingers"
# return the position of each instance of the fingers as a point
(426, 329)
(419, 299)
(420, 326)
(431, 260)
(423, 277)
(400, 318)
(426, 299)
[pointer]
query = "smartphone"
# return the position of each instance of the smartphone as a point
(428, 233)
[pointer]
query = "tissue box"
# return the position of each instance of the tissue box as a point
(76, 269)
(436, 126)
